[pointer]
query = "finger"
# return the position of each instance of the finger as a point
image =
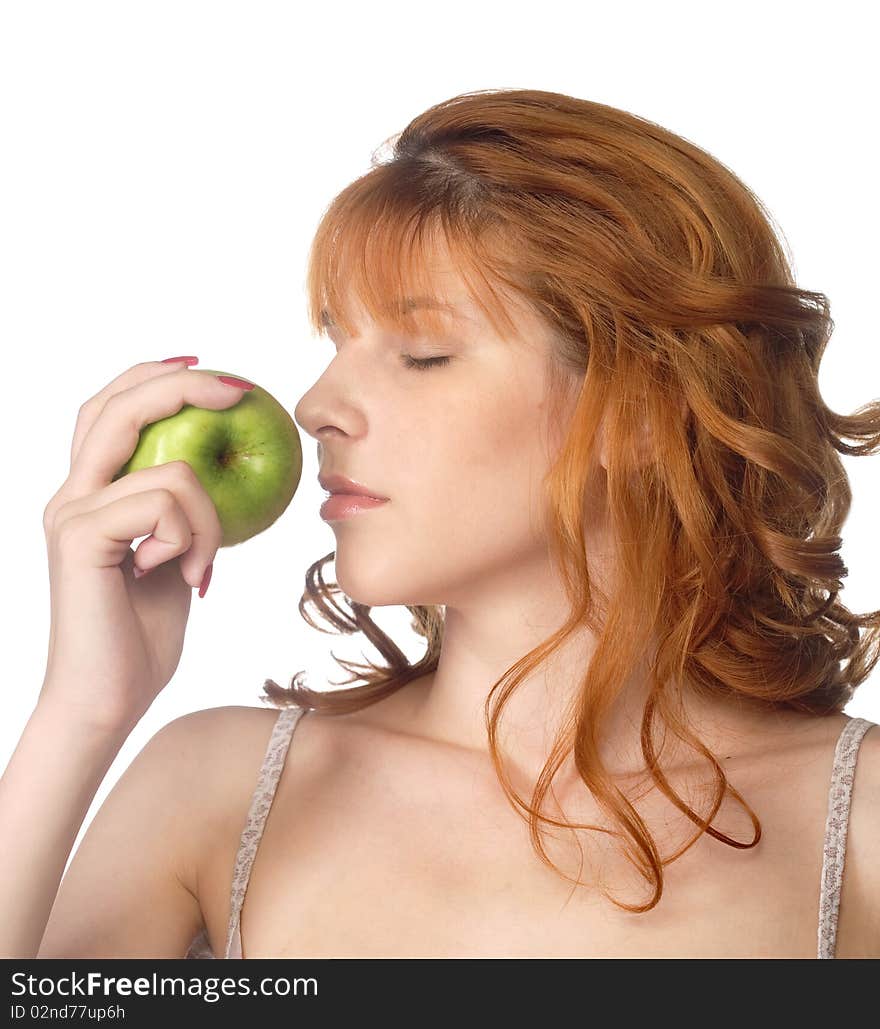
(94, 405)
(179, 479)
(115, 433)
(101, 538)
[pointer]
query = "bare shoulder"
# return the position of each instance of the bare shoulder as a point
(223, 740)
(211, 725)
(216, 754)
(132, 888)
(861, 889)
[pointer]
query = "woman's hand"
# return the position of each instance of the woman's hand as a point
(115, 640)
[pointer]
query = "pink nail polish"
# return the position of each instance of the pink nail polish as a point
(186, 360)
(206, 580)
(231, 380)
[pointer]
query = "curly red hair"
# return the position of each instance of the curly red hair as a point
(667, 291)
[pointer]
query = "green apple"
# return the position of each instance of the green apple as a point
(248, 458)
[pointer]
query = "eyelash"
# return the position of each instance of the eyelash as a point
(423, 364)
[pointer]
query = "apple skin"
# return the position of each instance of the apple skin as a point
(248, 458)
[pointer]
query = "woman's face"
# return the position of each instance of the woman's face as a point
(459, 449)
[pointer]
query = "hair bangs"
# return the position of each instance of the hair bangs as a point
(381, 254)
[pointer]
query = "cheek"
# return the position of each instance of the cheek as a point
(469, 504)
(484, 448)
(482, 473)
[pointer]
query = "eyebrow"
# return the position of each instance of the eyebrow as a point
(409, 304)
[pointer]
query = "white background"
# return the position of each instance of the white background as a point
(163, 167)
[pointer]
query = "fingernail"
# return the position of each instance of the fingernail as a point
(138, 572)
(187, 360)
(206, 580)
(230, 380)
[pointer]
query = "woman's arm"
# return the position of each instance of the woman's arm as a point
(45, 794)
(123, 894)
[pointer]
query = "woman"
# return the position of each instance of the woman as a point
(571, 360)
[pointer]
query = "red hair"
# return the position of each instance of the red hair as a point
(667, 291)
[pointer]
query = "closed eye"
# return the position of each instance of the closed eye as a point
(423, 364)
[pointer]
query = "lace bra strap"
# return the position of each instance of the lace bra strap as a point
(261, 803)
(834, 852)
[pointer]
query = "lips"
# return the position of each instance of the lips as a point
(341, 484)
(346, 505)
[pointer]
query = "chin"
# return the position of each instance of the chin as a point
(362, 590)
(384, 580)
(373, 595)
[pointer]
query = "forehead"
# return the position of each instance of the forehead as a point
(459, 309)
(420, 283)
(428, 291)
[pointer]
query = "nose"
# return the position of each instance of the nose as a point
(313, 417)
(299, 411)
(306, 414)
(336, 401)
